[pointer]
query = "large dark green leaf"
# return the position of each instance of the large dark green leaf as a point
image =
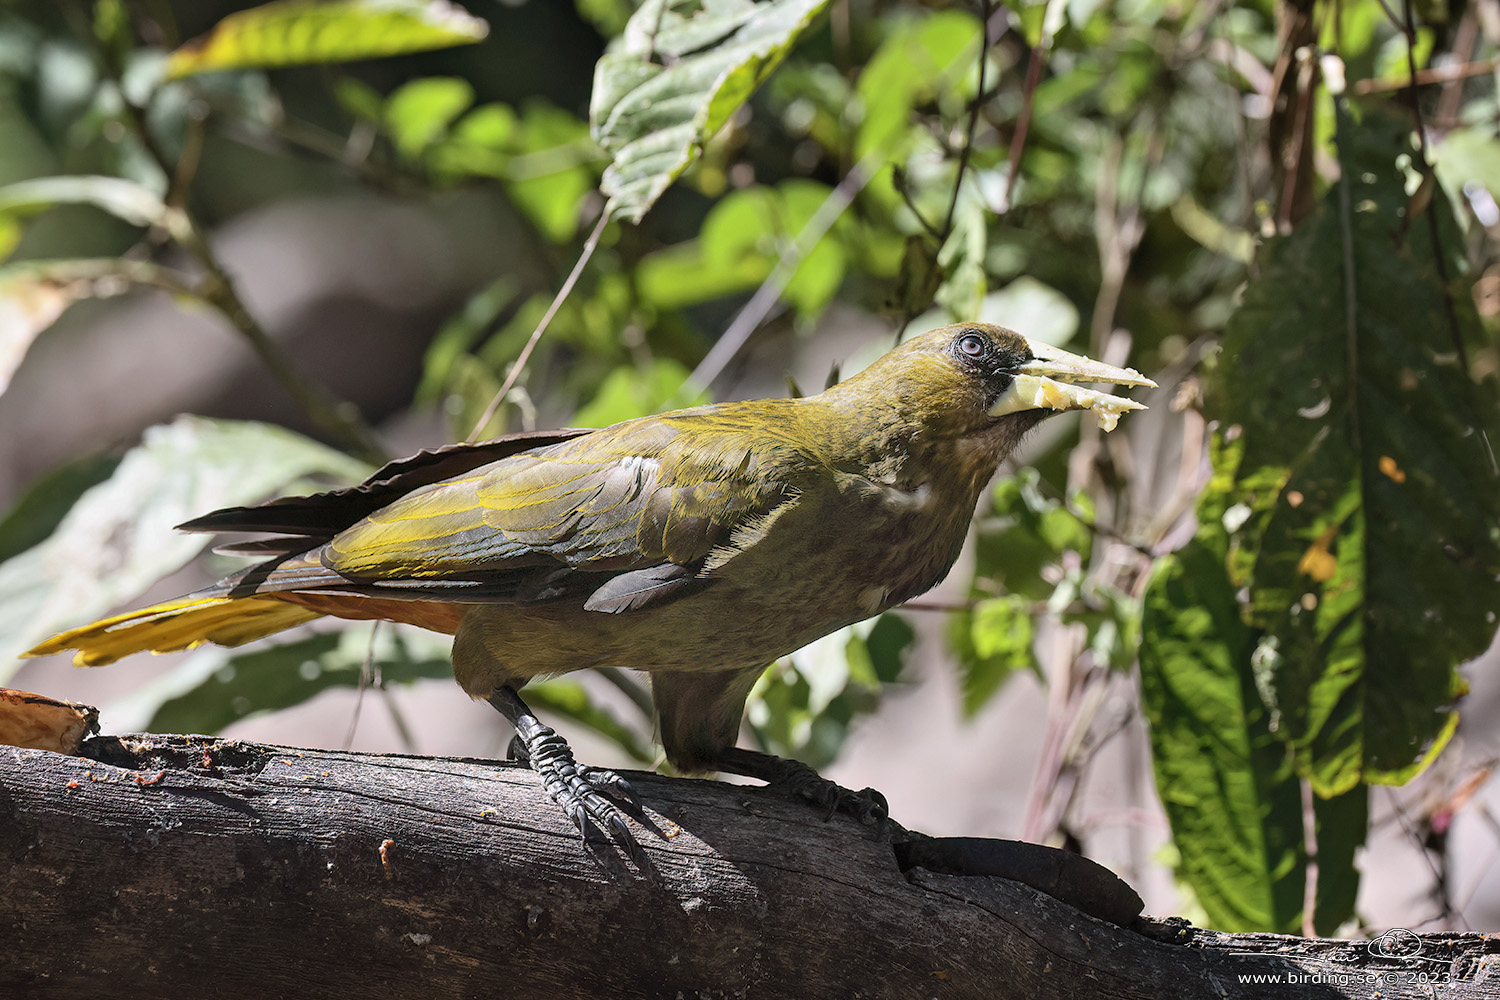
(1370, 541)
(653, 117)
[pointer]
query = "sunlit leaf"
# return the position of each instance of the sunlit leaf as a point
(742, 240)
(992, 641)
(299, 32)
(1027, 304)
(911, 68)
(419, 111)
(653, 117)
(631, 392)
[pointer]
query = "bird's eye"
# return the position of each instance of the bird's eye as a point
(972, 344)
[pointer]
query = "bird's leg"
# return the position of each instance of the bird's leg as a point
(583, 792)
(867, 806)
(699, 712)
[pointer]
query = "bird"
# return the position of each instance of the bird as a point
(698, 546)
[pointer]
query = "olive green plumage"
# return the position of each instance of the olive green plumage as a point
(698, 545)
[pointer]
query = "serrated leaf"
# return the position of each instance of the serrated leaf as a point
(1370, 527)
(1226, 783)
(653, 118)
(117, 539)
(302, 32)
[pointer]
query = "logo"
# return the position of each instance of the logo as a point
(1397, 943)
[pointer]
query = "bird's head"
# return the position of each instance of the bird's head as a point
(980, 386)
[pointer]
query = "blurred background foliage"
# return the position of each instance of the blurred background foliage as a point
(1284, 212)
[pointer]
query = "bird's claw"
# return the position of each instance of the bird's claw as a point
(590, 796)
(868, 806)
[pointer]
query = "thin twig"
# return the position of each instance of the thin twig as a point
(1023, 123)
(367, 679)
(963, 155)
(1438, 74)
(589, 246)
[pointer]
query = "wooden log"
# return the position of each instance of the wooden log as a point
(168, 866)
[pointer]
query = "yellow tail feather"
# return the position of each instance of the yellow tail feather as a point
(180, 624)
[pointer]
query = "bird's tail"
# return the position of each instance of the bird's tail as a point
(178, 624)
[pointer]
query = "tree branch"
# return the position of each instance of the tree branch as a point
(183, 866)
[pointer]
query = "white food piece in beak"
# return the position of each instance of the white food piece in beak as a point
(1045, 383)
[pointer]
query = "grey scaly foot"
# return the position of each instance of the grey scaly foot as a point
(867, 806)
(588, 795)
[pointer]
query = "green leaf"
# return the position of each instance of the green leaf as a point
(802, 707)
(47, 500)
(126, 200)
(653, 119)
(418, 112)
(554, 169)
(992, 642)
(1339, 824)
(743, 238)
(302, 32)
(1370, 540)
(633, 392)
(912, 67)
(460, 334)
(965, 281)
(117, 539)
(209, 696)
(1039, 309)
(1226, 783)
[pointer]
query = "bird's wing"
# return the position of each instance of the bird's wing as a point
(320, 516)
(626, 515)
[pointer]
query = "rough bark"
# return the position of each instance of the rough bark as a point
(188, 867)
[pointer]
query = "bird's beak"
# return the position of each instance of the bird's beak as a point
(1045, 382)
